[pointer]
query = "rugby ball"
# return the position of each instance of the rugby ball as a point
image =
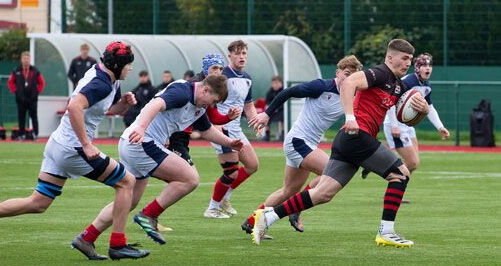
(405, 113)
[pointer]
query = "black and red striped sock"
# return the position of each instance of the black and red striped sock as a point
(297, 203)
(392, 199)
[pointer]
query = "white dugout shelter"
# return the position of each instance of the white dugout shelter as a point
(269, 55)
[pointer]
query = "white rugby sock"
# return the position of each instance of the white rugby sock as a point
(228, 194)
(386, 227)
(214, 204)
(271, 217)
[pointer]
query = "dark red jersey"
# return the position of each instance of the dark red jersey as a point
(370, 105)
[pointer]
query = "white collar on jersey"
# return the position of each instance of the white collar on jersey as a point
(234, 72)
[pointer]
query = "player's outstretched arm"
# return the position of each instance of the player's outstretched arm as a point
(126, 101)
(144, 119)
(351, 84)
(76, 109)
(250, 110)
(216, 136)
(259, 121)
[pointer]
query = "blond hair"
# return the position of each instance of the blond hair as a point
(349, 62)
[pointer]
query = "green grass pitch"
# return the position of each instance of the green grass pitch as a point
(454, 217)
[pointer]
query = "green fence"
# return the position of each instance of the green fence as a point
(459, 32)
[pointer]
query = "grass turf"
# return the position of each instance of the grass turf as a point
(453, 217)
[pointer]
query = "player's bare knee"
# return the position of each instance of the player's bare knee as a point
(413, 165)
(127, 182)
(251, 168)
(322, 196)
(192, 180)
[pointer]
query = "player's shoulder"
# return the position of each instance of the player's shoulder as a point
(180, 89)
(227, 72)
(232, 73)
(323, 85)
(379, 72)
(246, 75)
(410, 78)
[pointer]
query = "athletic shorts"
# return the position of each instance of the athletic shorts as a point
(349, 152)
(179, 144)
(407, 133)
(234, 133)
(295, 150)
(71, 162)
(141, 159)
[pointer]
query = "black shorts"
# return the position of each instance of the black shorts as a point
(178, 143)
(353, 148)
(349, 152)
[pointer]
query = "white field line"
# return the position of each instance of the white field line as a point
(459, 175)
(93, 186)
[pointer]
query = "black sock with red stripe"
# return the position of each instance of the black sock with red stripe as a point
(297, 203)
(392, 199)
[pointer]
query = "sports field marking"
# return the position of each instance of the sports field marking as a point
(460, 175)
(93, 187)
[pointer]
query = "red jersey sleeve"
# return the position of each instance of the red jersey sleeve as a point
(215, 117)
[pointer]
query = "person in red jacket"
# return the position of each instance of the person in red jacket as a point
(26, 82)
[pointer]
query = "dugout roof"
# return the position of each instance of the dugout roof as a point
(269, 55)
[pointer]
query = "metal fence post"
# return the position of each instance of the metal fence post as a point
(63, 16)
(250, 11)
(444, 31)
(456, 87)
(110, 16)
(155, 17)
(347, 26)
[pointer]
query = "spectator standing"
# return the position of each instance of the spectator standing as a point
(167, 79)
(189, 74)
(278, 115)
(143, 92)
(80, 64)
(26, 82)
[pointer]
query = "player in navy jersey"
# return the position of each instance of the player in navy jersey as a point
(240, 96)
(69, 152)
(355, 145)
(321, 109)
(142, 151)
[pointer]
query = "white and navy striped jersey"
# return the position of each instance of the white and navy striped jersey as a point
(181, 112)
(322, 107)
(239, 93)
(101, 94)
